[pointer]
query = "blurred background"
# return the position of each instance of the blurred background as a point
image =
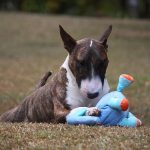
(113, 8)
(30, 44)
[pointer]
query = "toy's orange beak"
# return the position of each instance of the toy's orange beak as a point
(128, 77)
(124, 104)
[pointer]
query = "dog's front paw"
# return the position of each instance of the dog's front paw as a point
(93, 111)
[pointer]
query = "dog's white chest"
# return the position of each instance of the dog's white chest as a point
(74, 98)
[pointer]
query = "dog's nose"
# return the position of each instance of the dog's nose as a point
(92, 95)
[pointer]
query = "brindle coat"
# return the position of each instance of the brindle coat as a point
(47, 103)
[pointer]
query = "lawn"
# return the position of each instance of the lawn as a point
(30, 45)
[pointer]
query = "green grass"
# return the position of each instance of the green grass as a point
(50, 136)
(30, 45)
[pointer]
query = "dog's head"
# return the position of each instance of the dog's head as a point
(88, 61)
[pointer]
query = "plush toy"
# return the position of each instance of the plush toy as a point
(114, 109)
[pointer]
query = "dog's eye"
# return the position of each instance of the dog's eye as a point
(81, 63)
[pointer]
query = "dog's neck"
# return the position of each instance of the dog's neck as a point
(73, 95)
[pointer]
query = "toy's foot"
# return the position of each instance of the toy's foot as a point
(139, 122)
(93, 111)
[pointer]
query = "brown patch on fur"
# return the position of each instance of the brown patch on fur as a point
(45, 104)
(84, 55)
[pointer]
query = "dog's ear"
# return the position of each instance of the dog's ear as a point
(105, 35)
(69, 42)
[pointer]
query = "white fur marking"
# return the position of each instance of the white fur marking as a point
(91, 43)
(93, 85)
(92, 70)
(75, 97)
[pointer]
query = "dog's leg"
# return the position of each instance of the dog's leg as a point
(43, 80)
(18, 114)
(45, 104)
(60, 111)
(93, 111)
(37, 107)
(60, 117)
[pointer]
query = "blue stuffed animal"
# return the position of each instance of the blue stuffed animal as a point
(114, 109)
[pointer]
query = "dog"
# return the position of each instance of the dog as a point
(79, 82)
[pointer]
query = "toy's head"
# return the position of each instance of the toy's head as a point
(116, 99)
(124, 81)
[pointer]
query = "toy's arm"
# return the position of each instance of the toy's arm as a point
(130, 121)
(116, 103)
(77, 116)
